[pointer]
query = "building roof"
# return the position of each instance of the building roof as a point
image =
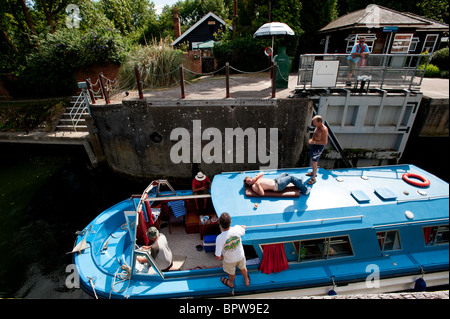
(199, 22)
(374, 16)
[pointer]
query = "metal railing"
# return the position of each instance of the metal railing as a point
(80, 106)
(383, 70)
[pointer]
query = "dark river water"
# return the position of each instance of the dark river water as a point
(47, 193)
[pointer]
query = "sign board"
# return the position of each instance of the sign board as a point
(325, 73)
(390, 29)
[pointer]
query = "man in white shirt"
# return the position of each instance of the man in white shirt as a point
(229, 248)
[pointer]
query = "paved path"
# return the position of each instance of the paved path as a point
(394, 296)
(435, 88)
(251, 86)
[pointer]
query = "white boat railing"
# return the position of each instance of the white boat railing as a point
(412, 222)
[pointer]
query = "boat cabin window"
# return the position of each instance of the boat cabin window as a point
(435, 235)
(323, 248)
(389, 240)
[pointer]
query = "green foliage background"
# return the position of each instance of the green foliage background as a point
(39, 53)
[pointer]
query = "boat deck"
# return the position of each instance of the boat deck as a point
(354, 196)
(183, 244)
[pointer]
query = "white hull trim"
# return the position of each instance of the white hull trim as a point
(385, 286)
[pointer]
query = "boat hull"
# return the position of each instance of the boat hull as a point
(107, 266)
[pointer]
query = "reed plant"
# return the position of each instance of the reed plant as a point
(158, 66)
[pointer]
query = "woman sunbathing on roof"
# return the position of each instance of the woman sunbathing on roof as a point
(259, 184)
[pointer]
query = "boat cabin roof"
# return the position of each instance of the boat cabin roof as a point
(340, 200)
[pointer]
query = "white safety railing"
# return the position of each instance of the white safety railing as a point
(80, 107)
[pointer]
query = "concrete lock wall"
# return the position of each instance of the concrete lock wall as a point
(433, 118)
(136, 135)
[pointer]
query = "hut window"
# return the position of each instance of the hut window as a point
(389, 240)
(413, 45)
(351, 41)
(402, 42)
(430, 43)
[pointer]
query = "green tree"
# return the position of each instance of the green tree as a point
(347, 6)
(128, 16)
(53, 11)
(254, 13)
(190, 11)
(315, 15)
(435, 9)
(161, 27)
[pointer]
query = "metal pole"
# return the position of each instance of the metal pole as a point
(227, 72)
(183, 94)
(89, 88)
(102, 85)
(274, 79)
(138, 81)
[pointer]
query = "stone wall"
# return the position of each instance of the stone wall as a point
(136, 135)
(432, 119)
(109, 70)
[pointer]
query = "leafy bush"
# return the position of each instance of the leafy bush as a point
(431, 71)
(243, 53)
(440, 58)
(444, 74)
(49, 69)
(158, 66)
(101, 46)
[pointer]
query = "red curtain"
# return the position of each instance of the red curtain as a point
(141, 236)
(274, 259)
(149, 214)
(427, 233)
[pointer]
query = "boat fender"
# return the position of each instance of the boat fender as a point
(424, 182)
(420, 285)
(332, 293)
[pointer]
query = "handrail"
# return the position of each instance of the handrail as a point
(409, 223)
(422, 198)
(77, 110)
(161, 198)
(307, 221)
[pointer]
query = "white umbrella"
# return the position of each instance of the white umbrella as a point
(272, 29)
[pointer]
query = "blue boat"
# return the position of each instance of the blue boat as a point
(361, 230)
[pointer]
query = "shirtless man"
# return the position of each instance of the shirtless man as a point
(260, 184)
(316, 145)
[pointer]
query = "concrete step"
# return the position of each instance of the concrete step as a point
(69, 121)
(83, 115)
(71, 128)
